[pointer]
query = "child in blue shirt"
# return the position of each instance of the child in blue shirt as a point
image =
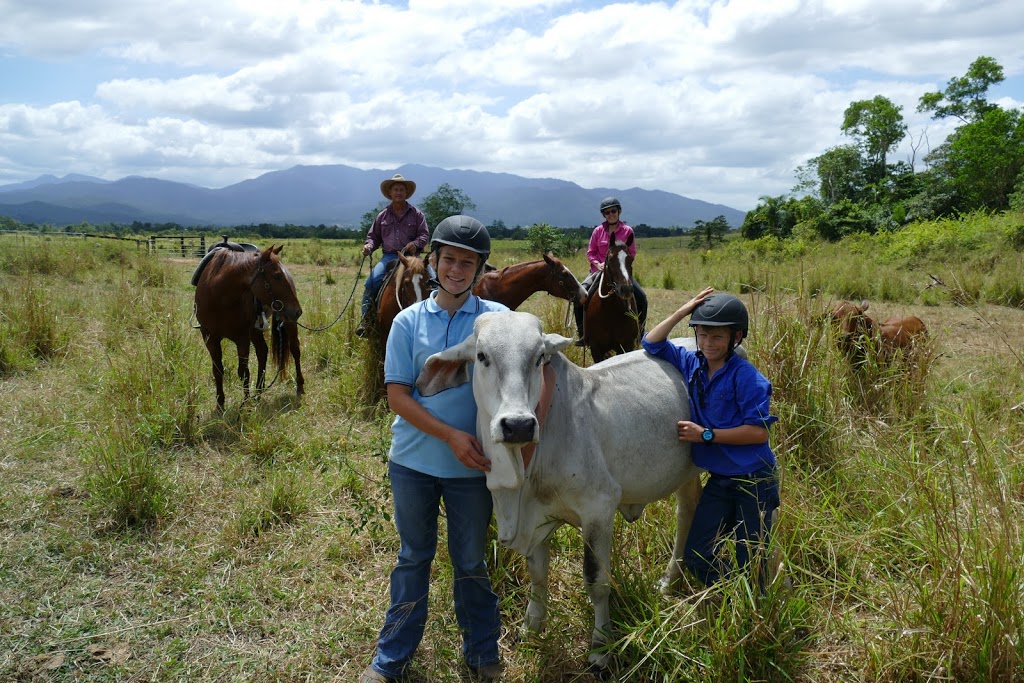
(729, 407)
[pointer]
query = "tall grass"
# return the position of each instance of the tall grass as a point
(127, 483)
(131, 510)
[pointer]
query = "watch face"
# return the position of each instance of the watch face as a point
(707, 435)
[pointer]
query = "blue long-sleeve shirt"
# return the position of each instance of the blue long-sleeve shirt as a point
(738, 394)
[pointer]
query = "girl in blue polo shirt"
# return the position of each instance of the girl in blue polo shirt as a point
(729, 431)
(435, 456)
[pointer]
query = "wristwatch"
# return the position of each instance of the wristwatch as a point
(707, 436)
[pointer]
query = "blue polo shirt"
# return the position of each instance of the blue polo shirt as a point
(418, 332)
(737, 395)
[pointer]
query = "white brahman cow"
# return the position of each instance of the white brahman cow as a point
(608, 443)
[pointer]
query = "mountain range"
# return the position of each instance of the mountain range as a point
(336, 195)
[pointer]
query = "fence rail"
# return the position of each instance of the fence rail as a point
(185, 246)
(182, 246)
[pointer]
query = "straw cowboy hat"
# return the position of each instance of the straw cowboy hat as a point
(385, 187)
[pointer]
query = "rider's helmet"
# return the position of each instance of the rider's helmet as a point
(609, 203)
(720, 310)
(465, 232)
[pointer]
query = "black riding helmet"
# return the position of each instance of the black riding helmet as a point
(609, 203)
(466, 232)
(720, 310)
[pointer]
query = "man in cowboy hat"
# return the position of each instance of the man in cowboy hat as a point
(399, 226)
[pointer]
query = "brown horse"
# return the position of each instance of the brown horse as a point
(228, 292)
(514, 284)
(408, 283)
(612, 321)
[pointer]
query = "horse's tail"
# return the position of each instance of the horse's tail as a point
(279, 345)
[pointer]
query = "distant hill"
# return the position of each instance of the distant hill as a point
(336, 195)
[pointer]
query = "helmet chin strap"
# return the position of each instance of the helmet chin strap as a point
(437, 283)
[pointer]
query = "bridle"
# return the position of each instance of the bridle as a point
(276, 305)
(615, 288)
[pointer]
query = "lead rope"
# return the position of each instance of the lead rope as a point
(358, 276)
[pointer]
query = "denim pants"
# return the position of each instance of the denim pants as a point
(467, 504)
(741, 507)
(374, 280)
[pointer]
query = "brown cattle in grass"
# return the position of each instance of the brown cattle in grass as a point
(859, 333)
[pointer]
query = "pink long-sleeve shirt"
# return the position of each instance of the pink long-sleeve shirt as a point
(599, 240)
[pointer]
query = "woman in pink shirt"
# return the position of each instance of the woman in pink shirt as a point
(611, 228)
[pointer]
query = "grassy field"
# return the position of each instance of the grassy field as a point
(145, 537)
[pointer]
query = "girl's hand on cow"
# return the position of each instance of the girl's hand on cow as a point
(468, 450)
(689, 431)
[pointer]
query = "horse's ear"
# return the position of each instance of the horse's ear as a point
(629, 239)
(550, 259)
(278, 250)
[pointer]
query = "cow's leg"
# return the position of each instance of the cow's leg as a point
(537, 609)
(217, 358)
(597, 557)
(687, 497)
(260, 343)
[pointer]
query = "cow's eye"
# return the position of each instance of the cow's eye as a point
(482, 359)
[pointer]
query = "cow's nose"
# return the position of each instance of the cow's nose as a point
(518, 429)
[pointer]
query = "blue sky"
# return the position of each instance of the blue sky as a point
(712, 99)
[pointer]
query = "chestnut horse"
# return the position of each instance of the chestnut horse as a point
(407, 284)
(612, 320)
(227, 295)
(514, 284)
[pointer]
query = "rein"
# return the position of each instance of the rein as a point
(397, 277)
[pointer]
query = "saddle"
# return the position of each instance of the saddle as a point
(230, 246)
(261, 316)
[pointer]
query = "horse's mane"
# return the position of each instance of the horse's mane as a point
(516, 266)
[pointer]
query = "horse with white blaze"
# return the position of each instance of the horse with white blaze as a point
(608, 443)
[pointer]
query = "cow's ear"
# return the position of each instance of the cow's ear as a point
(438, 375)
(447, 369)
(553, 343)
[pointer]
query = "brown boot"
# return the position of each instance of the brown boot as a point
(371, 675)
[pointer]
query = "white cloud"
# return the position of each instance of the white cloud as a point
(717, 100)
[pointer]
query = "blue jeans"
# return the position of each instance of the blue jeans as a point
(739, 506)
(374, 280)
(467, 502)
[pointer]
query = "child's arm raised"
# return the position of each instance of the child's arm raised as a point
(664, 328)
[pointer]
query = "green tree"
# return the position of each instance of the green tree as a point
(706, 234)
(984, 159)
(366, 222)
(543, 238)
(836, 175)
(878, 126)
(777, 216)
(444, 202)
(964, 97)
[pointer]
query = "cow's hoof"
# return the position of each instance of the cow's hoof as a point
(667, 586)
(598, 666)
